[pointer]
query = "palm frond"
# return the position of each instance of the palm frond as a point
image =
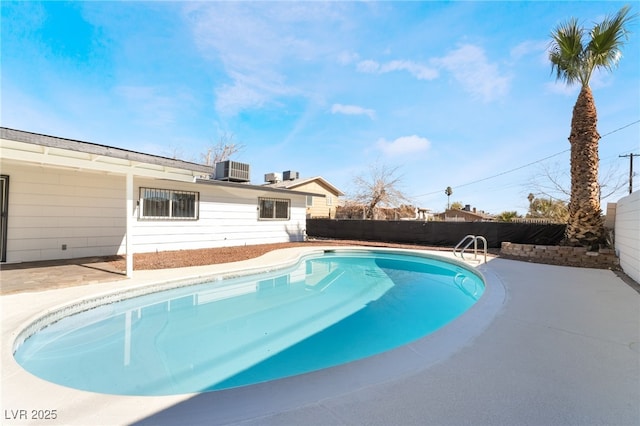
(574, 61)
(566, 51)
(607, 39)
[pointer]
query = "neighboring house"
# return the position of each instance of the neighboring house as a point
(322, 206)
(64, 199)
(354, 210)
(463, 215)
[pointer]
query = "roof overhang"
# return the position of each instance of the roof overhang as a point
(263, 188)
(299, 182)
(44, 150)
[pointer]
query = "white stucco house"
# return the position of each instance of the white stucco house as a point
(63, 198)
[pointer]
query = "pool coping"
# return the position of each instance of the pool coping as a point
(25, 311)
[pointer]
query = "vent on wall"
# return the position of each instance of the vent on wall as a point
(232, 171)
(290, 175)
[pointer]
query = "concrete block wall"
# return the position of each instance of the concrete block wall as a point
(562, 255)
(627, 234)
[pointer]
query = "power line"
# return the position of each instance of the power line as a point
(620, 128)
(526, 165)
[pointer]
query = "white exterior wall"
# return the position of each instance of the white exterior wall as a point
(228, 217)
(627, 234)
(49, 207)
(232, 218)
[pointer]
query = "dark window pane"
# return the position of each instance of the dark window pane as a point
(267, 209)
(184, 205)
(271, 208)
(163, 203)
(156, 203)
(282, 209)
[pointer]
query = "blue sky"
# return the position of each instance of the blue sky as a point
(450, 93)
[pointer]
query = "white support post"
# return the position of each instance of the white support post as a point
(129, 229)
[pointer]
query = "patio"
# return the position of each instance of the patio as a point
(546, 345)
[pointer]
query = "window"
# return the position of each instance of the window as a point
(309, 200)
(168, 204)
(274, 208)
(329, 200)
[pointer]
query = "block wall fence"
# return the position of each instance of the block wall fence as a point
(627, 234)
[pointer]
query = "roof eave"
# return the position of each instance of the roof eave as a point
(100, 150)
(320, 178)
(247, 186)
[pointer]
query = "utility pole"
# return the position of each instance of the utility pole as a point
(630, 169)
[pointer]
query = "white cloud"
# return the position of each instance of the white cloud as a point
(536, 49)
(419, 71)
(250, 91)
(468, 64)
(530, 47)
(352, 110)
(150, 105)
(231, 99)
(403, 145)
(368, 66)
(471, 68)
(346, 58)
(260, 46)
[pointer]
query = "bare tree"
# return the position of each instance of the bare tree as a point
(553, 181)
(222, 150)
(611, 182)
(378, 188)
(176, 153)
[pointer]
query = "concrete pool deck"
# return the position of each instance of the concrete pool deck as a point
(545, 345)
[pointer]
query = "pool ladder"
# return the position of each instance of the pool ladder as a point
(471, 239)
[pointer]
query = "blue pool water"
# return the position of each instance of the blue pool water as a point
(328, 310)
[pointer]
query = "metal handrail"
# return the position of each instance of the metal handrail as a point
(473, 239)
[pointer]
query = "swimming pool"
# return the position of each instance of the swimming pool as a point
(327, 310)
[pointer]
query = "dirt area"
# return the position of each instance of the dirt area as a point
(182, 258)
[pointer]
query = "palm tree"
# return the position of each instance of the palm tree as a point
(507, 216)
(448, 192)
(574, 59)
(531, 197)
(555, 210)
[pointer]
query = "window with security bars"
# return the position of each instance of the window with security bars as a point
(168, 204)
(274, 208)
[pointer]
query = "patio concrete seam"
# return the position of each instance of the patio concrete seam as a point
(568, 331)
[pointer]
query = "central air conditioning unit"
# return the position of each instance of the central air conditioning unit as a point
(290, 175)
(273, 177)
(232, 171)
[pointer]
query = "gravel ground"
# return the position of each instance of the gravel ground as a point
(182, 258)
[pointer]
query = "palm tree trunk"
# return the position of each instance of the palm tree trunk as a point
(585, 225)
